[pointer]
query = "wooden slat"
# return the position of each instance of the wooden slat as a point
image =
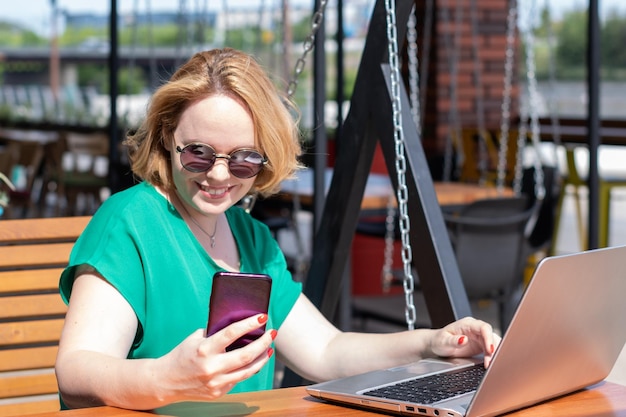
(28, 332)
(33, 253)
(29, 406)
(38, 230)
(31, 306)
(28, 358)
(35, 256)
(29, 280)
(25, 384)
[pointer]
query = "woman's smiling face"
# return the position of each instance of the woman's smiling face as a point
(226, 125)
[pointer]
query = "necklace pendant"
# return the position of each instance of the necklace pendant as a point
(212, 241)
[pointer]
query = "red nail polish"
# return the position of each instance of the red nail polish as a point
(273, 333)
(461, 340)
(492, 349)
(262, 318)
(270, 352)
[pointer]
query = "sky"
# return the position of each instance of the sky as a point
(37, 15)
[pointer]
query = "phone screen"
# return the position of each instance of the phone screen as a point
(234, 297)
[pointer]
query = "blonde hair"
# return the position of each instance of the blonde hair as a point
(228, 72)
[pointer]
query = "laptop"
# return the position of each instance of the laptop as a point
(566, 334)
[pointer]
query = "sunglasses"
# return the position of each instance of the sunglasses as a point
(242, 163)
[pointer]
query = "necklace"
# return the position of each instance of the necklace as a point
(211, 236)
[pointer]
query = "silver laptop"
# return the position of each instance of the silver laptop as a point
(566, 334)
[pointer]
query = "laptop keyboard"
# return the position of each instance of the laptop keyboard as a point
(433, 388)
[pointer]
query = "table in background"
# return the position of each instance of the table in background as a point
(378, 190)
(603, 399)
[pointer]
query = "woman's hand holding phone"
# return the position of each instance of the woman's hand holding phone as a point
(233, 347)
(201, 368)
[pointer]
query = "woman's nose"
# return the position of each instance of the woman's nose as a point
(219, 169)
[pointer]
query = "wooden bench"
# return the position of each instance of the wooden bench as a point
(33, 252)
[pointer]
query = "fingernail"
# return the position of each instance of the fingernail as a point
(273, 333)
(270, 352)
(262, 318)
(492, 348)
(461, 340)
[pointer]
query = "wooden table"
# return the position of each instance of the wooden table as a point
(378, 190)
(457, 193)
(603, 399)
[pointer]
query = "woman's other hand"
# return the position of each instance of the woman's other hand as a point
(465, 338)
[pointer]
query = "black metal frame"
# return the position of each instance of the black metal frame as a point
(369, 120)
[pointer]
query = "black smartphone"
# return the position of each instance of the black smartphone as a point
(234, 297)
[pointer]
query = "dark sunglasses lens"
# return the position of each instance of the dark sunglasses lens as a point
(245, 163)
(197, 158)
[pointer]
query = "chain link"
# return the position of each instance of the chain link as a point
(522, 134)
(505, 122)
(553, 107)
(480, 100)
(452, 46)
(413, 70)
(308, 45)
(386, 273)
(533, 104)
(402, 191)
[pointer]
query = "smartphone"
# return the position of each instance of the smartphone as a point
(234, 297)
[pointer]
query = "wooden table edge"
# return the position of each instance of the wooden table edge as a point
(602, 399)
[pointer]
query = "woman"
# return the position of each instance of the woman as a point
(139, 277)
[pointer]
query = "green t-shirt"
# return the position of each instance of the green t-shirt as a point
(142, 246)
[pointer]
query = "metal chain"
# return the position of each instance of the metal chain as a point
(533, 94)
(386, 273)
(308, 45)
(480, 102)
(402, 191)
(522, 134)
(413, 70)
(453, 139)
(552, 105)
(506, 99)
(390, 224)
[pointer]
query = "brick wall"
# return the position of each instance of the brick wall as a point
(491, 31)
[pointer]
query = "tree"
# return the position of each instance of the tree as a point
(13, 35)
(162, 35)
(613, 54)
(545, 22)
(571, 50)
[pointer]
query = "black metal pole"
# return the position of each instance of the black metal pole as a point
(593, 119)
(340, 74)
(114, 160)
(319, 130)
